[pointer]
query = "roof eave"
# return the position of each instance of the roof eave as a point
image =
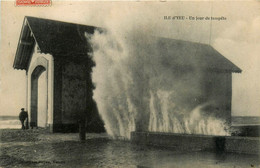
(17, 57)
(24, 47)
(233, 68)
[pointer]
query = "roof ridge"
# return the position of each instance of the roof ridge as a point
(65, 22)
(185, 41)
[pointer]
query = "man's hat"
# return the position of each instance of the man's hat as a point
(22, 108)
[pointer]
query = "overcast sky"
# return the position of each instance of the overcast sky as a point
(237, 38)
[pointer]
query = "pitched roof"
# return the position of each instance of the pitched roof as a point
(52, 37)
(198, 55)
(56, 37)
(64, 39)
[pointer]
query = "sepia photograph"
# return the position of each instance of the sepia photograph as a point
(138, 84)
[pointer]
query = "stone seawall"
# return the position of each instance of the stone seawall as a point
(247, 130)
(247, 145)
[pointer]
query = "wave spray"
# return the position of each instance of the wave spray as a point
(138, 89)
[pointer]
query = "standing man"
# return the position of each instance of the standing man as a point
(22, 117)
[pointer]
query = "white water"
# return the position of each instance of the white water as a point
(134, 87)
(163, 120)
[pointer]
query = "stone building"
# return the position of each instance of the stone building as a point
(60, 50)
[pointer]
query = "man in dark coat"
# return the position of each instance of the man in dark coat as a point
(22, 117)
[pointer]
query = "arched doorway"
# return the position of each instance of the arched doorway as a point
(39, 98)
(42, 100)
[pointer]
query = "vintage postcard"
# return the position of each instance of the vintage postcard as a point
(129, 84)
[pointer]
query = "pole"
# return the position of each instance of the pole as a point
(82, 128)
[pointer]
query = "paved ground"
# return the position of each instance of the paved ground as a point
(38, 148)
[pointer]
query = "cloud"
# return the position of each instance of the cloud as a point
(244, 31)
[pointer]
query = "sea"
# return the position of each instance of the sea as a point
(10, 122)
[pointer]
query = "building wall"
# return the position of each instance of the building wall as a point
(46, 61)
(175, 94)
(217, 87)
(205, 87)
(193, 88)
(73, 94)
(178, 93)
